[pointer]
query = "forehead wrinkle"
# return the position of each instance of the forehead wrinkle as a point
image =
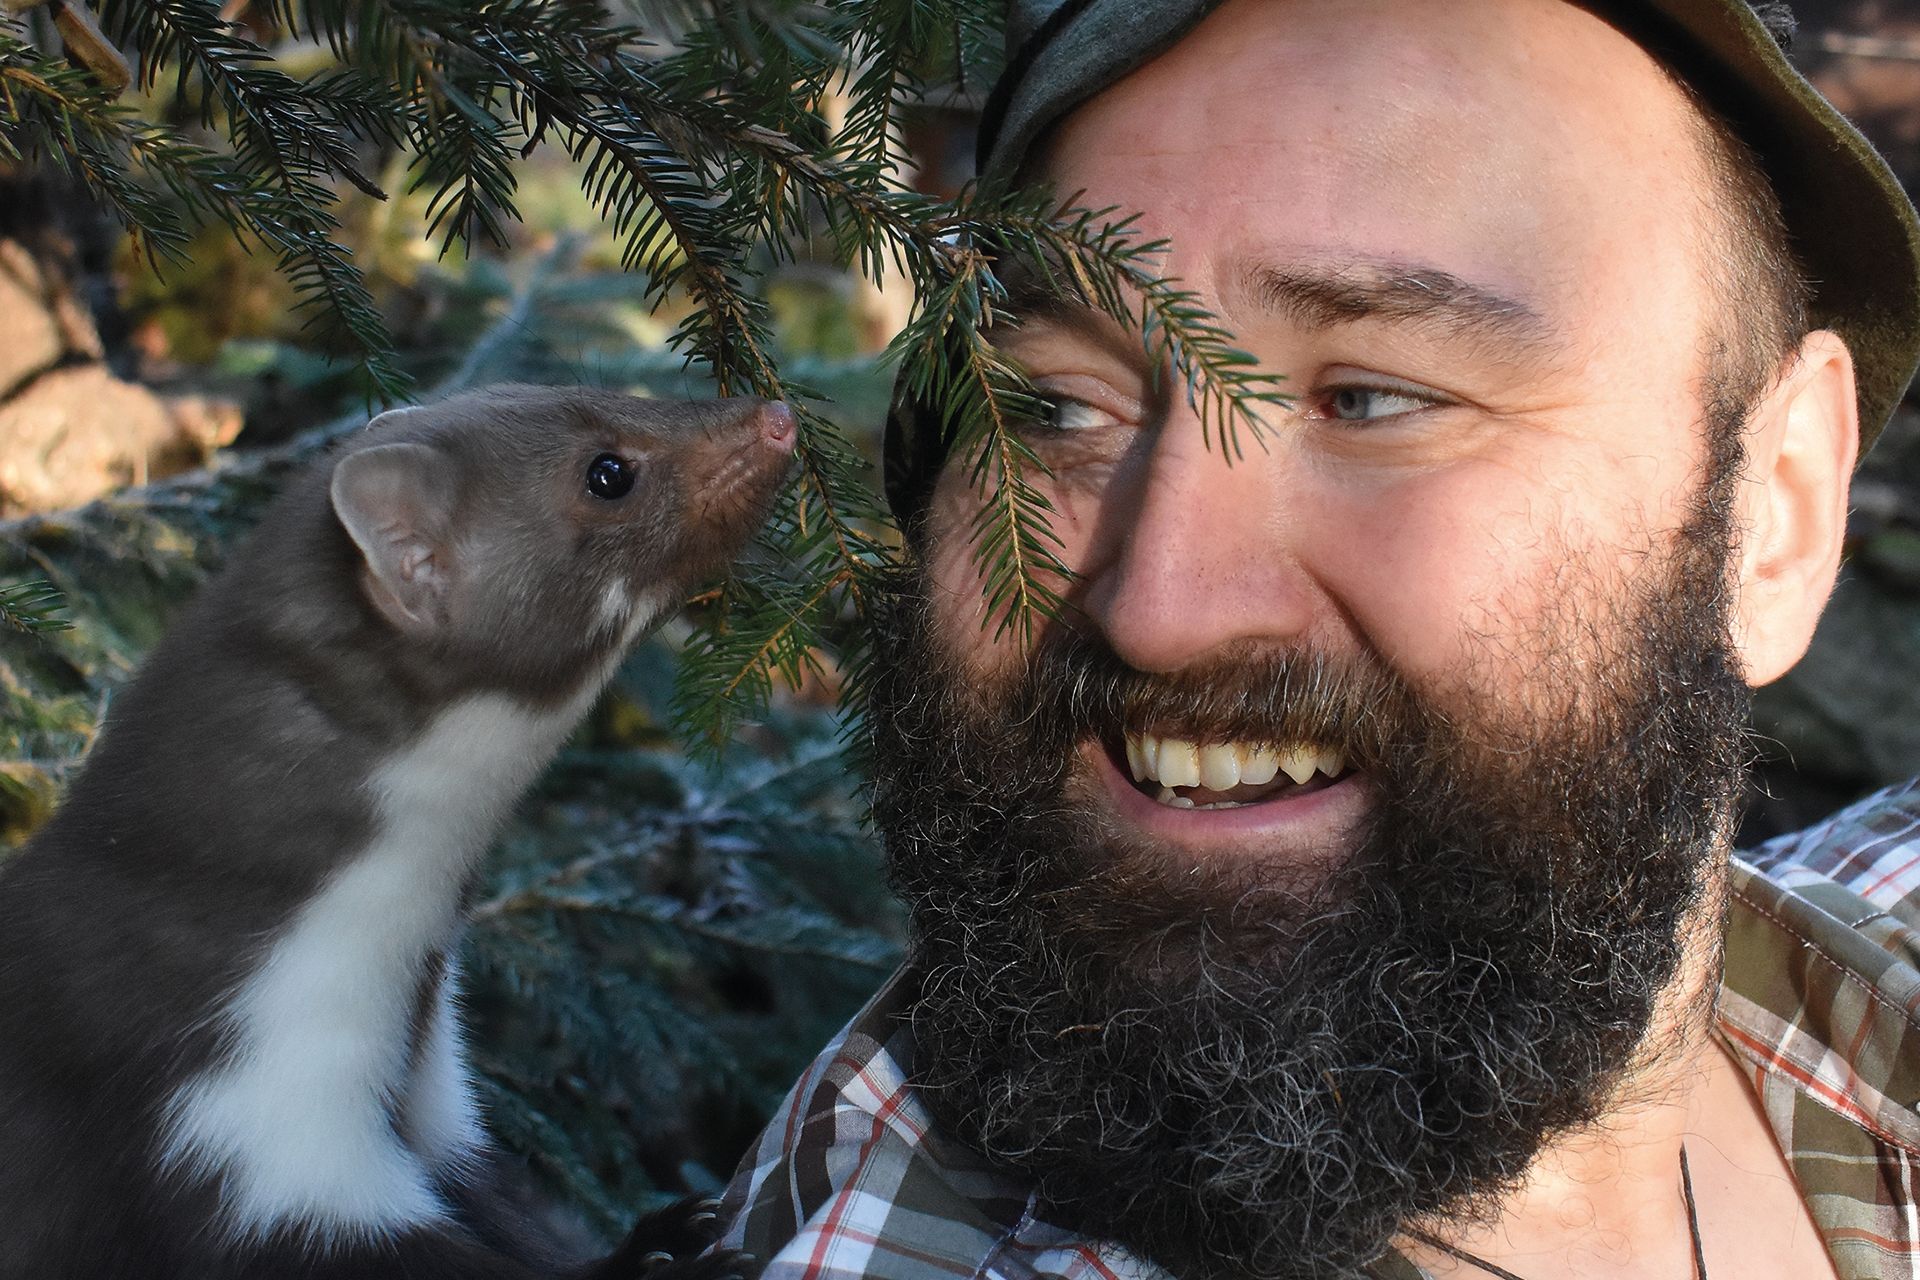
(1427, 298)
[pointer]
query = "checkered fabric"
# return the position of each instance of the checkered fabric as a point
(1821, 1001)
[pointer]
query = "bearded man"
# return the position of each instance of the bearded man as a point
(1345, 885)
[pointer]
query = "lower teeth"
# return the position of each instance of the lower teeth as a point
(1172, 800)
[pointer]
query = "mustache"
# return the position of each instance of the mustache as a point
(1075, 687)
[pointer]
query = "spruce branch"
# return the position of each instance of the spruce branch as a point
(1082, 256)
(289, 140)
(1094, 258)
(885, 38)
(712, 165)
(54, 112)
(1013, 536)
(32, 608)
(298, 132)
(949, 361)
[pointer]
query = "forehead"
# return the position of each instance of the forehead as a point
(1523, 145)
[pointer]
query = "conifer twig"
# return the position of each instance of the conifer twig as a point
(32, 607)
(710, 166)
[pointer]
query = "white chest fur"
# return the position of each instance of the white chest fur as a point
(315, 1120)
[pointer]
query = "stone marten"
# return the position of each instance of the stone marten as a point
(230, 1044)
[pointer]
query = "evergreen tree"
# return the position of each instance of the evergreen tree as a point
(699, 132)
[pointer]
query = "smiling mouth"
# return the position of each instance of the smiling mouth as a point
(1182, 774)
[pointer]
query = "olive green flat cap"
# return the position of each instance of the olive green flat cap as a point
(1853, 228)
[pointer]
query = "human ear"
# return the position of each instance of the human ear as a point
(396, 503)
(1802, 441)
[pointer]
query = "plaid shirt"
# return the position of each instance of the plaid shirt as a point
(1821, 1003)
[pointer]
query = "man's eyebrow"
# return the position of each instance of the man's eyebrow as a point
(1320, 297)
(1323, 295)
(1030, 298)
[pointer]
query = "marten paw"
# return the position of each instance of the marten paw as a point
(671, 1244)
(720, 1264)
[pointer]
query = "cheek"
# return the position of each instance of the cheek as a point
(956, 590)
(1080, 492)
(1421, 561)
(1484, 562)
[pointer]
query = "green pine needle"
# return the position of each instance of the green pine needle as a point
(33, 608)
(711, 166)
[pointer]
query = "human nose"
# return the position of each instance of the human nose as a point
(1206, 552)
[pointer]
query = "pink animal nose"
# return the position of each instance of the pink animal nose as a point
(777, 426)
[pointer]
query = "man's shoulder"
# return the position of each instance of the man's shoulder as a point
(1858, 870)
(854, 1178)
(1821, 990)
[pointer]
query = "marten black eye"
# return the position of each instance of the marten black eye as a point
(609, 476)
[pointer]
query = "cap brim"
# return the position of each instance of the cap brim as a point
(1852, 226)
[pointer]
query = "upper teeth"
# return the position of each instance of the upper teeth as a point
(1175, 762)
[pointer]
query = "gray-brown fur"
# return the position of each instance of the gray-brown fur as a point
(231, 786)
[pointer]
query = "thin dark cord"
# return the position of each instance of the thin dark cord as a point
(1491, 1268)
(1496, 1270)
(1693, 1217)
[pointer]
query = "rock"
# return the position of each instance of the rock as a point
(31, 336)
(77, 432)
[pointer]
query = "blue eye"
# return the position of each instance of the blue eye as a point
(610, 477)
(1361, 403)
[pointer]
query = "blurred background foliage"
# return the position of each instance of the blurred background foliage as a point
(659, 941)
(662, 941)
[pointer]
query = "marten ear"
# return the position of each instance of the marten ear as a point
(396, 502)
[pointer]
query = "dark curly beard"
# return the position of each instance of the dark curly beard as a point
(1266, 1070)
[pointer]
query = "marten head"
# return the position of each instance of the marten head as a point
(528, 534)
